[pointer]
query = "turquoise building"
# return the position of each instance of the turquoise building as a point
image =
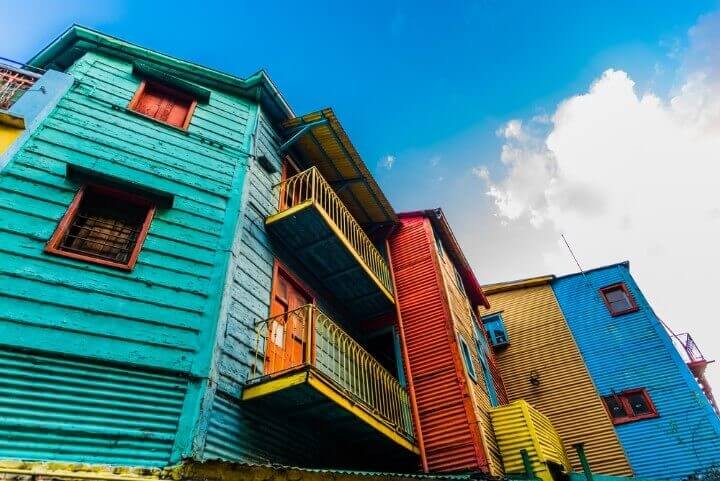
(190, 271)
(664, 421)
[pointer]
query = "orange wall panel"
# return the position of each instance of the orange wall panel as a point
(447, 421)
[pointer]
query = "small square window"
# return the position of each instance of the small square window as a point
(495, 327)
(103, 226)
(631, 405)
(618, 299)
(163, 104)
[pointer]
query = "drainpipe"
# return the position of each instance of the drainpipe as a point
(408, 370)
(529, 472)
(580, 449)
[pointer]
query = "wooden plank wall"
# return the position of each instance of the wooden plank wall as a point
(158, 318)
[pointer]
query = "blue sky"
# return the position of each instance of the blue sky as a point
(427, 85)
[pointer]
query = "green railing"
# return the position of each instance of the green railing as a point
(307, 337)
(310, 185)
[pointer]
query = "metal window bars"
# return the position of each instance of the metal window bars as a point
(15, 80)
(310, 186)
(307, 337)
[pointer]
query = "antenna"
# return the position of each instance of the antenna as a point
(567, 244)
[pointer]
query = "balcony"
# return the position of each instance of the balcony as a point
(14, 82)
(309, 367)
(314, 226)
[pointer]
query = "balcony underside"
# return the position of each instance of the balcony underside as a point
(312, 238)
(305, 394)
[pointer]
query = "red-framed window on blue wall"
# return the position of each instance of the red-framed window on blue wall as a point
(103, 226)
(618, 299)
(164, 104)
(630, 405)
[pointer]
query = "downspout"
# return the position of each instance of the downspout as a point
(408, 369)
(580, 449)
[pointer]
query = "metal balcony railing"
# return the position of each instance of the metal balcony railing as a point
(310, 186)
(307, 337)
(14, 82)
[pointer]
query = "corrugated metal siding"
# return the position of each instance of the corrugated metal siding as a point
(63, 409)
(632, 351)
(161, 314)
(540, 341)
(448, 428)
(246, 433)
(519, 426)
(463, 323)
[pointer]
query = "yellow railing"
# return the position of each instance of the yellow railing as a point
(307, 337)
(310, 185)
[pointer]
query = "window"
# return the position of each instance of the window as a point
(483, 353)
(467, 359)
(163, 104)
(618, 299)
(495, 327)
(103, 226)
(631, 405)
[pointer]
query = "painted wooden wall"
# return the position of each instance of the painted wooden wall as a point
(96, 337)
(633, 351)
(240, 431)
(447, 418)
(541, 342)
(463, 323)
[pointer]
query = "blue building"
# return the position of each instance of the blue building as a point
(664, 420)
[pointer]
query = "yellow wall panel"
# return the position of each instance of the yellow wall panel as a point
(540, 341)
(7, 136)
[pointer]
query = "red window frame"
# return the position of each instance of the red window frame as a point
(53, 244)
(170, 92)
(622, 399)
(620, 285)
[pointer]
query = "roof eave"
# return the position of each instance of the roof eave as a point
(257, 87)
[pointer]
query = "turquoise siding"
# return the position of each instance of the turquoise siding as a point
(633, 351)
(161, 317)
(238, 431)
(80, 410)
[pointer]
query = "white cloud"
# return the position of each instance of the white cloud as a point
(388, 161)
(630, 175)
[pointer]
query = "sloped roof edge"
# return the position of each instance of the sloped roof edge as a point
(258, 86)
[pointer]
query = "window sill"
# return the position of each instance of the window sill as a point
(89, 259)
(627, 311)
(159, 122)
(627, 420)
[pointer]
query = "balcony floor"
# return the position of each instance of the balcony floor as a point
(305, 394)
(313, 239)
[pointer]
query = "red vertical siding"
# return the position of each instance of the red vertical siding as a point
(452, 440)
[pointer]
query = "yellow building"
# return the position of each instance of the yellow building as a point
(541, 364)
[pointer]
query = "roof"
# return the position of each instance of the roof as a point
(441, 225)
(77, 40)
(497, 287)
(625, 264)
(319, 136)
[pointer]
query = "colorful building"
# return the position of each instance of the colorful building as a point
(541, 364)
(663, 419)
(190, 271)
(196, 282)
